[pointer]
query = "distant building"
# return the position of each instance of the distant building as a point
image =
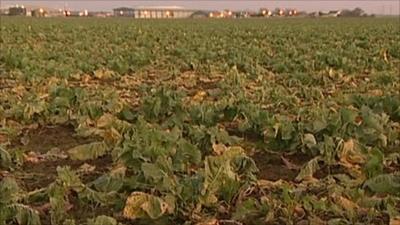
(214, 14)
(332, 13)
(38, 13)
(162, 12)
(264, 12)
(302, 13)
(153, 12)
(243, 14)
(124, 11)
(100, 14)
(291, 12)
(47, 12)
(314, 14)
(4, 11)
(74, 13)
(17, 11)
(199, 14)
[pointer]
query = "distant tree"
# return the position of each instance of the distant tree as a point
(358, 12)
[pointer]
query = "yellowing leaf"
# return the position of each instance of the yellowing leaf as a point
(309, 140)
(395, 221)
(212, 221)
(103, 74)
(33, 157)
(350, 155)
(142, 205)
(268, 185)
(88, 151)
(346, 203)
(200, 95)
(105, 120)
(376, 92)
(219, 149)
(3, 138)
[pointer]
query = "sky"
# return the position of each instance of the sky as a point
(370, 6)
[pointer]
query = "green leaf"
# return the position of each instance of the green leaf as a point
(224, 174)
(58, 202)
(102, 220)
(374, 166)
(287, 130)
(9, 191)
(96, 197)
(385, 183)
(108, 183)
(152, 171)
(69, 222)
(5, 159)
(25, 215)
(245, 209)
(68, 177)
(88, 151)
(186, 153)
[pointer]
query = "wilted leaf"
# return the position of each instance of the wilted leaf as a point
(345, 203)
(55, 153)
(3, 138)
(88, 151)
(33, 157)
(142, 205)
(309, 140)
(394, 221)
(200, 95)
(350, 154)
(211, 221)
(86, 168)
(103, 74)
(219, 149)
(245, 209)
(289, 165)
(25, 215)
(308, 169)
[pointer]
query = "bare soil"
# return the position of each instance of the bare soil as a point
(273, 166)
(36, 175)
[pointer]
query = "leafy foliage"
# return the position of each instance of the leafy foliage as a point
(199, 122)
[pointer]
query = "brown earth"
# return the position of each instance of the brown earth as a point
(279, 166)
(34, 175)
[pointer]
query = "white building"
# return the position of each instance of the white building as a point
(162, 12)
